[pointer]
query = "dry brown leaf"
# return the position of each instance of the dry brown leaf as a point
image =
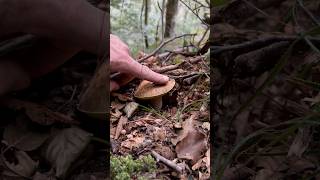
(133, 142)
(123, 120)
(191, 143)
(130, 108)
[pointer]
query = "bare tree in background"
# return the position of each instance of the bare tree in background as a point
(146, 15)
(171, 12)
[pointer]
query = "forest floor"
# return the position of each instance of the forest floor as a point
(265, 88)
(179, 132)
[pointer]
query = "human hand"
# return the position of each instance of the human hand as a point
(121, 61)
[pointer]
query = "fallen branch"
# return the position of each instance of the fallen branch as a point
(166, 162)
(163, 44)
(176, 66)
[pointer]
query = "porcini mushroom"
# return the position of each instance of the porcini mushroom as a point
(153, 92)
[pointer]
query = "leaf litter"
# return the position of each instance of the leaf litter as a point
(178, 134)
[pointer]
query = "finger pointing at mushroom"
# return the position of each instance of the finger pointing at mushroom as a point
(121, 61)
(143, 72)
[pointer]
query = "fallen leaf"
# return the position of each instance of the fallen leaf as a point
(21, 137)
(130, 108)
(123, 120)
(25, 167)
(191, 143)
(66, 147)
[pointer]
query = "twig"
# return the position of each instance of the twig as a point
(191, 79)
(201, 4)
(176, 66)
(166, 162)
(186, 76)
(194, 13)
(162, 25)
(163, 44)
(141, 23)
(123, 120)
(204, 35)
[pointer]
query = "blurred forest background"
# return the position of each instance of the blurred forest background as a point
(141, 23)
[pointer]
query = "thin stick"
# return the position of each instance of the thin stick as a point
(167, 162)
(162, 12)
(194, 13)
(123, 120)
(163, 44)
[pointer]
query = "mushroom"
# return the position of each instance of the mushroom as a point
(153, 92)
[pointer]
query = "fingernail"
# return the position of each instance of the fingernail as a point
(165, 78)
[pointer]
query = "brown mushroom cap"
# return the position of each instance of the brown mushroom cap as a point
(149, 90)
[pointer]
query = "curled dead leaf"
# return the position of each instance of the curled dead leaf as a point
(191, 142)
(25, 167)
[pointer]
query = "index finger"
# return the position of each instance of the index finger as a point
(143, 72)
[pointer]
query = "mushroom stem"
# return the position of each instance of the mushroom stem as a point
(156, 103)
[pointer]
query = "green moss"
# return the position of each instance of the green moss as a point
(124, 167)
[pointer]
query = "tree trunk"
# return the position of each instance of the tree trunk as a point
(171, 12)
(146, 14)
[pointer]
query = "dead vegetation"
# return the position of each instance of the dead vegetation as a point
(176, 135)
